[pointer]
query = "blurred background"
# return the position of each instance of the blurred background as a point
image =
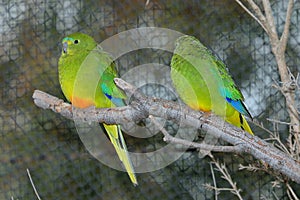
(48, 144)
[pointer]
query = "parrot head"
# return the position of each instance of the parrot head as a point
(187, 42)
(77, 42)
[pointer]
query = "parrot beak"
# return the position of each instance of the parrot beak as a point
(65, 47)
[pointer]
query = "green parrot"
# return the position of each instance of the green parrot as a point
(86, 76)
(203, 82)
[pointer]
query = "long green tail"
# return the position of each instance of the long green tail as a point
(116, 138)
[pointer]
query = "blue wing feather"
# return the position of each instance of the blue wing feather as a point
(116, 101)
(239, 106)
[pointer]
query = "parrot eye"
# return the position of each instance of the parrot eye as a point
(76, 41)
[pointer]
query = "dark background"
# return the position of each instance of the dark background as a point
(48, 144)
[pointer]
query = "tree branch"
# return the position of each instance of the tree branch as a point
(284, 37)
(142, 106)
(261, 17)
(278, 47)
(257, 10)
(170, 139)
(270, 23)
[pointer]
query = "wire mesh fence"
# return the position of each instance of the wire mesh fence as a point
(48, 144)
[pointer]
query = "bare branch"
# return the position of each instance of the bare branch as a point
(275, 195)
(252, 15)
(147, 3)
(287, 85)
(260, 15)
(278, 48)
(170, 139)
(278, 122)
(226, 176)
(31, 181)
(270, 21)
(143, 106)
(291, 192)
(250, 167)
(284, 37)
(214, 180)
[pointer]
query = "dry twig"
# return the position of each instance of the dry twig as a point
(226, 176)
(31, 181)
(288, 82)
(278, 46)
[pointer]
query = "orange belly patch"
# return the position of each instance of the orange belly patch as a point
(200, 107)
(81, 103)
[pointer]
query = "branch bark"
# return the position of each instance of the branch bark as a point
(142, 107)
(278, 46)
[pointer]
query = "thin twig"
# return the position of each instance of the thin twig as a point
(285, 33)
(274, 136)
(270, 21)
(278, 122)
(147, 2)
(298, 81)
(226, 176)
(35, 191)
(214, 180)
(260, 125)
(278, 49)
(251, 14)
(169, 138)
(250, 168)
(285, 89)
(260, 15)
(275, 195)
(291, 191)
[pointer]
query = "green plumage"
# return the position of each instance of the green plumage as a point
(86, 76)
(203, 82)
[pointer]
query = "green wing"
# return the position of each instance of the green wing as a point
(208, 64)
(107, 84)
(228, 89)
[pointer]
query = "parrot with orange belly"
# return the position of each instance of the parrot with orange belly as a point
(203, 82)
(86, 76)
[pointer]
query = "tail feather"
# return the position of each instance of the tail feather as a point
(239, 106)
(239, 120)
(116, 138)
(244, 124)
